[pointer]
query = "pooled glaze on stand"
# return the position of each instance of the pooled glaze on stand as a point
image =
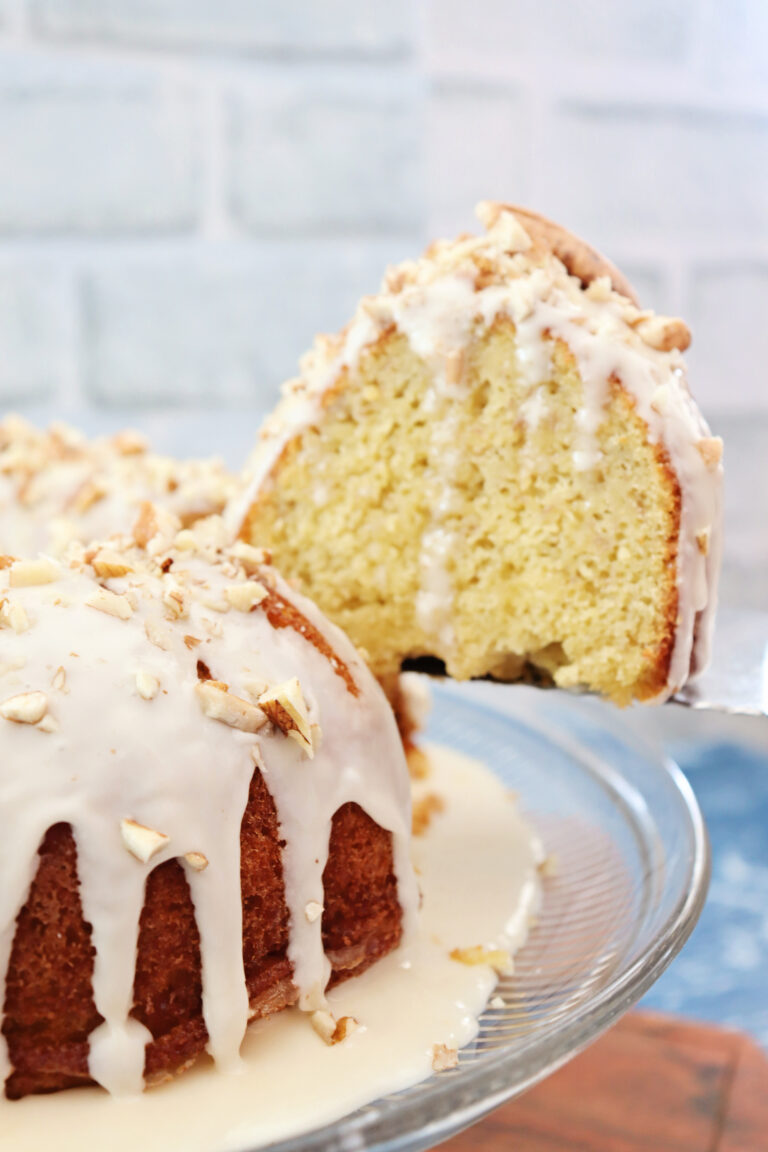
(478, 869)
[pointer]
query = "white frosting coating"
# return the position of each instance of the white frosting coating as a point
(440, 302)
(478, 871)
(125, 735)
(56, 486)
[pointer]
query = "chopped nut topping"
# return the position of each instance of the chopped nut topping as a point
(146, 525)
(88, 494)
(142, 842)
(444, 1057)
(345, 1027)
(108, 564)
(497, 958)
(25, 708)
(332, 1031)
(600, 289)
(221, 705)
(324, 1024)
(59, 679)
(192, 642)
(129, 443)
(24, 573)
(113, 603)
(147, 685)
(6, 561)
(214, 603)
(423, 810)
(247, 595)
(313, 911)
(213, 627)
(418, 762)
(13, 616)
(663, 333)
(185, 541)
(196, 861)
(251, 558)
(48, 724)
(203, 671)
(287, 709)
(497, 1002)
(710, 448)
(158, 634)
(175, 602)
(254, 687)
(702, 540)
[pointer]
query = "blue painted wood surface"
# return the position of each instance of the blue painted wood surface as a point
(722, 973)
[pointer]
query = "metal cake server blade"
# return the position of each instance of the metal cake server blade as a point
(734, 683)
(736, 680)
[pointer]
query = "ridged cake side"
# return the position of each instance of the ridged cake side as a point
(205, 807)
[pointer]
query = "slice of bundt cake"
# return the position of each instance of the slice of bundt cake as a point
(204, 808)
(57, 486)
(498, 463)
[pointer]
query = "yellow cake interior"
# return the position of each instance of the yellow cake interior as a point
(572, 571)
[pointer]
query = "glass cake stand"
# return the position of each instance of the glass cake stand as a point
(630, 874)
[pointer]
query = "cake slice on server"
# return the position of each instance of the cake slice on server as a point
(498, 463)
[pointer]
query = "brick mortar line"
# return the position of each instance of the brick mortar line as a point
(609, 95)
(36, 43)
(740, 252)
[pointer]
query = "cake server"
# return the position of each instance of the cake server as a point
(735, 682)
(736, 679)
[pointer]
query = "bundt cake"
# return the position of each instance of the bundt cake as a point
(498, 464)
(57, 486)
(205, 808)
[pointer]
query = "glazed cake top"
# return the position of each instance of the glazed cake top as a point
(57, 486)
(142, 681)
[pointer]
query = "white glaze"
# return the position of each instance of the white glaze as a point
(114, 755)
(477, 865)
(436, 303)
(56, 486)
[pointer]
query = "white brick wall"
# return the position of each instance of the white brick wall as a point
(324, 152)
(735, 48)
(354, 27)
(671, 171)
(731, 306)
(37, 332)
(221, 325)
(644, 127)
(477, 146)
(189, 188)
(501, 36)
(87, 151)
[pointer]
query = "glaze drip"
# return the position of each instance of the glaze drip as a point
(147, 763)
